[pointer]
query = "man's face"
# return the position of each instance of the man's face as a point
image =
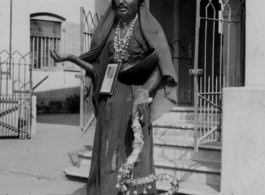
(126, 8)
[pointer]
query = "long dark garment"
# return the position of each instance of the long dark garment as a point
(114, 135)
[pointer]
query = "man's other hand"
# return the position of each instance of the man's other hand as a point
(141, 102)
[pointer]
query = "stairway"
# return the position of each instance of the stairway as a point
(198, 173)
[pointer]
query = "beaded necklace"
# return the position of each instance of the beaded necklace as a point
(121, 45)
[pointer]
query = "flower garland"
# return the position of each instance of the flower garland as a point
(125, 177)
(121, 45)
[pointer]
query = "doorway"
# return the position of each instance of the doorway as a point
(177, 19)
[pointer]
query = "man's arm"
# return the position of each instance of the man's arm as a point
(74, 59)
(141, 99)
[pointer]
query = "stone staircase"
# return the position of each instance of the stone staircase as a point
(198, 173)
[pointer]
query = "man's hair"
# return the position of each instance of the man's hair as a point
(114, 5)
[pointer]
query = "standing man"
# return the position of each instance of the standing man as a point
(126, 31)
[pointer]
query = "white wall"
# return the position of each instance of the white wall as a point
(255, 50)
(20, 26)
(243, 152)
(5, 24)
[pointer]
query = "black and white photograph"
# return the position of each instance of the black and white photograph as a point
(132, 97)
(109, 80)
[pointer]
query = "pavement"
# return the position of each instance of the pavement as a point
(35, 166)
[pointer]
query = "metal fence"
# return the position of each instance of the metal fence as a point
(15, 95)
(219, 62)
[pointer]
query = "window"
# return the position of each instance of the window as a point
(44, 35)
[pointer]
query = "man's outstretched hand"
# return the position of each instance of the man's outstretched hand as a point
(74, 59)
(60, 57)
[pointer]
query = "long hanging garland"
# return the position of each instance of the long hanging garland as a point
(126, 182)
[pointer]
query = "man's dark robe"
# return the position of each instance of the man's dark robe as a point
(112, 145)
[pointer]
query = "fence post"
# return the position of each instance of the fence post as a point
(33, 116)
(196, 58)
(82, 72)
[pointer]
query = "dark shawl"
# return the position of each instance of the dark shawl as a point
(165, 93)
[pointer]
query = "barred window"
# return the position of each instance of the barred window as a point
(44, 35)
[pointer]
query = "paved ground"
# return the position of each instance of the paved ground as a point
(36, 166)
(61, 119)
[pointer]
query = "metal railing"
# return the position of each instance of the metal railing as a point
(220, 58)
(15, 95)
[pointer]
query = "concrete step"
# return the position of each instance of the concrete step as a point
(85, 159)
(177, 128)
(183, 115)
(177, 148)
(180, 114)
(189, 170)
(176, 142)
(187, 188)
(79, 172)
(184, 170)
(181, 130)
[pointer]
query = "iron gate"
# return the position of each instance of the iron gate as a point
(88, 23)
(219, 62)
(15, 95)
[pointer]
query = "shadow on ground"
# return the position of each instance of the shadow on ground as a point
(59, 119)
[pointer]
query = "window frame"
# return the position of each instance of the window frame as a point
(45, 41)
